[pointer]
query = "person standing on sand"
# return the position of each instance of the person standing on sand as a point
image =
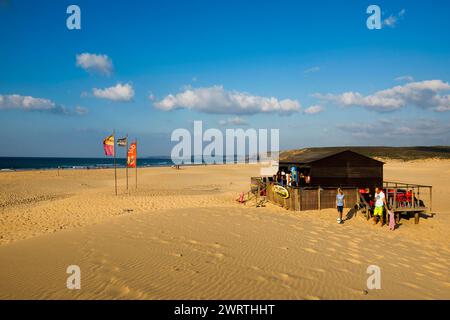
(391, 215)
(283, 178)
(380, 203)
(340, 204)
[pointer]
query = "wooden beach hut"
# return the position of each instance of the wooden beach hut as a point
(320, 172)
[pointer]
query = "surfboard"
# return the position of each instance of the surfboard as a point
(281, 191)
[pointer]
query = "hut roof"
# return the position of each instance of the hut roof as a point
(307, 156)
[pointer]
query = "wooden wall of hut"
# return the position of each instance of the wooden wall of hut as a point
(302, 199)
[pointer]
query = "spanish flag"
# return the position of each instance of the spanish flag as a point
(108, 145)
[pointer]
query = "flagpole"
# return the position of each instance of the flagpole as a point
(136, 163)
(127, 161)
(115, 166)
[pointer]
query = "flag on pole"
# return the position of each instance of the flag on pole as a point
(108, 145)
(122, 142)
(131, 156)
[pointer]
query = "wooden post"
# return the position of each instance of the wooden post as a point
(318, 198)
(136, 163)
(300, 194)
(407, 188)
(395, 197)
(296, 199)
(418, 196)
(416, 214)
(257, 196)
(126, 162)
(115, 166)
(288, 200)
(431, 198)
(292, 204)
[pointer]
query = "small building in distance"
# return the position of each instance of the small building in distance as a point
(334, 169)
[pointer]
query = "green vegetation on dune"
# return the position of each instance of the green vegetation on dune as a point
(401, 153)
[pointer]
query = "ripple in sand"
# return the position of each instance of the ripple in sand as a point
(178, 255)
(283, 276)
(353, 261)
(261, 279)
(118, 292)
(419, 274)
(216, 245)
(411, 285)
(218, 255)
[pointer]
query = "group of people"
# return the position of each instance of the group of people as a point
(380, 205)
(291, 178)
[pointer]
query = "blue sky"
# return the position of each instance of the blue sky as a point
(312, 69)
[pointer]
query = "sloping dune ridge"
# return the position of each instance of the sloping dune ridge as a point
(182, 235)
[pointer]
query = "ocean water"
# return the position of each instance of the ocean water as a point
(16, 163)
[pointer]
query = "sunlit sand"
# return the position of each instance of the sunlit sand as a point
(182, 235)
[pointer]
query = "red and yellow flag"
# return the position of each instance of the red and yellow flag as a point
(132, 155)
(108, 145)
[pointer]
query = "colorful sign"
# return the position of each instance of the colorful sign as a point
(281, 191)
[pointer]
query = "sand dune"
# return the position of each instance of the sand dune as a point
(181, 235)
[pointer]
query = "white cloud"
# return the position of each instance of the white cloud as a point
(405, 78)
(314, 109)
(29, 103)
(424, 94)
(120, 92)
(312, 70)
(398, 129)
(217, 100)
(444, 104)
(97, 63)
(80, 110)
(236, 121)
(392, 20)
(16, 101)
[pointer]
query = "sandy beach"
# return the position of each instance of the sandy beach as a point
(182, 235)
